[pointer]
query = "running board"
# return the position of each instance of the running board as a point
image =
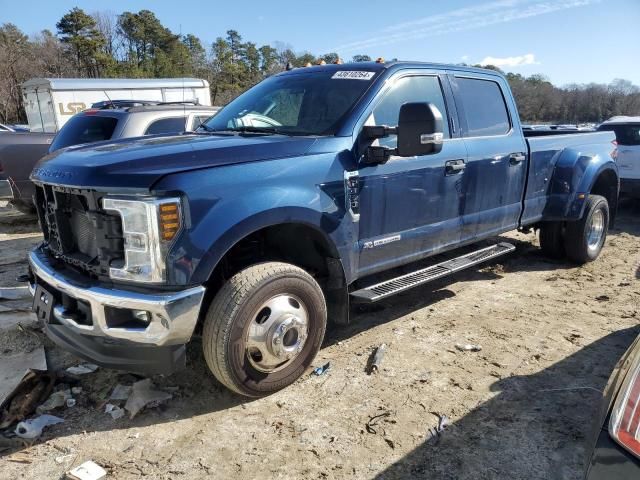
(405, 282)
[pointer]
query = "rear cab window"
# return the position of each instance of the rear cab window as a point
(483, 107)
(626, 134)
(84, 128)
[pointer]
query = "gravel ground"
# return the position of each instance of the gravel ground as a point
(520, 408)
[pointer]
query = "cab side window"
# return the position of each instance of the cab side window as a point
(166, 125)
(484, 108)
(408, 90)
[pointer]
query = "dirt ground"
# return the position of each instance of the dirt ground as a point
(521, 408)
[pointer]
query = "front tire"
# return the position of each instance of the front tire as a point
(264, 328)
(585, 238)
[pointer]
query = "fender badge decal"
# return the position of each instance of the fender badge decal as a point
(382, 241)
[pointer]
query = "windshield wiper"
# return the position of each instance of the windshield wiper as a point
(251, 129)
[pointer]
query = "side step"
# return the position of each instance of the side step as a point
(405, 282)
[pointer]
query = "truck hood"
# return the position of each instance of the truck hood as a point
(140, 162)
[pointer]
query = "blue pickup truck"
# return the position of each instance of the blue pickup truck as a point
(305, 194)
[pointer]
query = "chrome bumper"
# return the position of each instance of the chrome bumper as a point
(5, 190)
(173, 315)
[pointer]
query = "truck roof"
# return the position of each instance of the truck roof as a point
(112, 83)
(622, 119)
(396, 64)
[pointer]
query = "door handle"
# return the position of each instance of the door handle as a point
(516, 158)
(452, 167)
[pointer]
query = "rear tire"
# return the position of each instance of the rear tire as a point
(552, 239)
(264, 328)
(585, 238)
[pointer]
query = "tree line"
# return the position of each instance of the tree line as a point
(137, 45)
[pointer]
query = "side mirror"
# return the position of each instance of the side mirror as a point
(420, 129)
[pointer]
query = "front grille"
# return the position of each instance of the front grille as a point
(76, 230)
(83, 233)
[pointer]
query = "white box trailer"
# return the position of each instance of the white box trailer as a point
(50, 102)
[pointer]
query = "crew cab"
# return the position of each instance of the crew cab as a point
(306, 193)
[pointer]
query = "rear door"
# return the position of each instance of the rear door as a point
(409, 206)
(495, 174)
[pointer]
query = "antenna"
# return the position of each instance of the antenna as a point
(184, 106)
(108, 98)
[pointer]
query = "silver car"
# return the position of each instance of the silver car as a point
(104, 121)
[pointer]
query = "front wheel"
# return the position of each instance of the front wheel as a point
(264, 328)
(585, 238)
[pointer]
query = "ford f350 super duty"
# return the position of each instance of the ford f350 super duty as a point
(306, 193)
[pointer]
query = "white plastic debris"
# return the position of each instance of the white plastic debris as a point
(120, 392)
(468, 347)
(32, 428)
(82, 369)
(56, 400)
(71, 402)
(144, 395)
(60, 459)
(113, 410)
(87, 471)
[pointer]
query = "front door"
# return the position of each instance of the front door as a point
(410, 207)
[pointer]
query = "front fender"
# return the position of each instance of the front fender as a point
(573, 177)
(226, 204)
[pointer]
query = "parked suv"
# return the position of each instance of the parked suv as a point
(627, 130)
(107, 121)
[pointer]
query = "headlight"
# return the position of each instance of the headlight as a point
(148, 226)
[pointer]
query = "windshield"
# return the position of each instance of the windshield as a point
(311, 103)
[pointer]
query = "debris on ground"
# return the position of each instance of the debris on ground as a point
(120, 392)
(468, 347)
(321, 370)
(34, 388)
(143, 395)
(32, 428)
(82, 369)
(14, 293)
(15, 368)
(113, 410)
(377, 358)
(375, 420)
(87, 471)
(56, 400)
(434, 433)
(71, 402)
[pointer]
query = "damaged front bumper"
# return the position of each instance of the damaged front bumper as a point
(100, 324)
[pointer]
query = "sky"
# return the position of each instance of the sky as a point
(568, 41)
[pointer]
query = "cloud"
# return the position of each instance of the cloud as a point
(519, 61)
(462, 19)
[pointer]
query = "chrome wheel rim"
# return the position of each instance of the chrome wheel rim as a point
(596, 230)
(277, 333)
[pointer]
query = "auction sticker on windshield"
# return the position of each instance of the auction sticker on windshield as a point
(353, 75)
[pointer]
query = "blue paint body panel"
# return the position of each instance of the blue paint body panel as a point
(410, 208)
